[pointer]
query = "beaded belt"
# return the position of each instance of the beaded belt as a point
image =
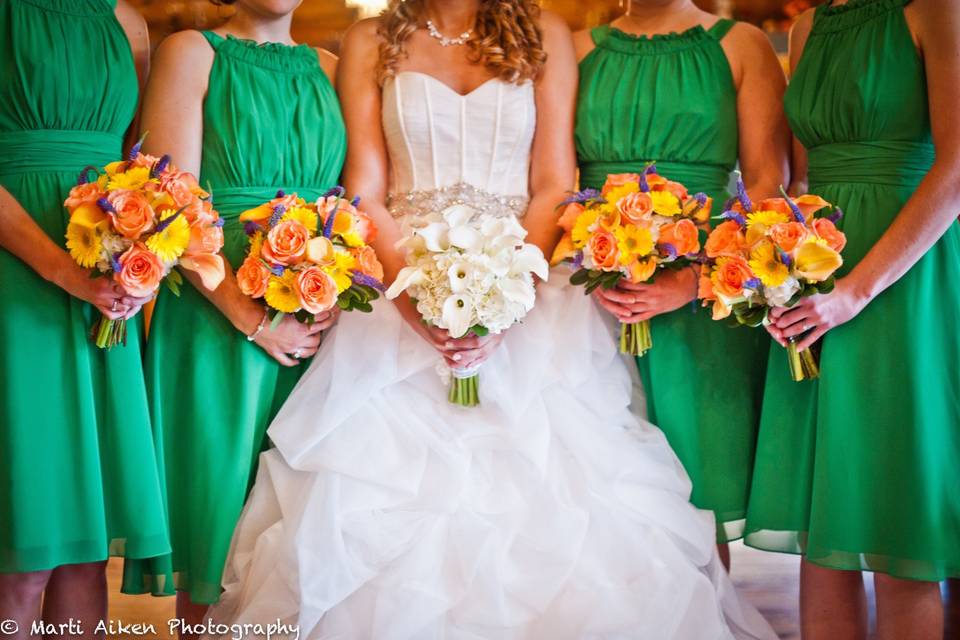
(415, 203)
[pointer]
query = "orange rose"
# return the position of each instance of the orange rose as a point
(252, 277)
(316, 289)
(181, 186)
(367, 262)
(140, 271)
(603, 250)
(569, 216)
(729, 276)
(286, 243)
(87, 193)
(205, 239)
(132, 215)
(618, 180)
(675, 188)
(726, 239)
(835, 238)
(144, 160)
(636, 208)
(365, 227)
(787, 235)
(683, 235)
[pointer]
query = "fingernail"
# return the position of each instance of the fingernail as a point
(457, 357)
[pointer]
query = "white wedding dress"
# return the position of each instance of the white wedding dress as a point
(548, 512)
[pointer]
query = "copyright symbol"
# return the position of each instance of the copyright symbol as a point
(9, 627)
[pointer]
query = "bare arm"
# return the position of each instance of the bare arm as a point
(932, 208)
(136, 29)
(553, 162)
(173, 114)
(328, 62)
(798, 154)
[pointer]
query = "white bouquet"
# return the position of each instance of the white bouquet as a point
(469, 272)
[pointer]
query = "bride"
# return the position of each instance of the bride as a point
(547, 512)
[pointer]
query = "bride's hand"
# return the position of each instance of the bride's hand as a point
(470, 352)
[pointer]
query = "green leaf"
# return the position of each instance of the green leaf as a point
(365, 307)
(827, 285)
(479, 330)
(750, 315)
(580, 277)
(277, 319)
(172, 286)
(175, 277)
(343, 303)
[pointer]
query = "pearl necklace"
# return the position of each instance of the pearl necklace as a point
(444, 40)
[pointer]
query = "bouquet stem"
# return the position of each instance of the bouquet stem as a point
(108, 333)
(635, 339)
(803, 364)
(465, 391)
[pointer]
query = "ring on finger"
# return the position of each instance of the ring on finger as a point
(114, 306)
(296, 354)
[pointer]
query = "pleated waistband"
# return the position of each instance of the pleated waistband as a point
(56, 151)
(882, 162)
(230, 202)
(695, 176)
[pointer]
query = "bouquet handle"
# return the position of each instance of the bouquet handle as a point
(465, 387)
(109, 333)
(803, 364)
(635, 339)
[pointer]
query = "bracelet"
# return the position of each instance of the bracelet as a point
(260, 327)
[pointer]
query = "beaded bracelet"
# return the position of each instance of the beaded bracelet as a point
(260, 327)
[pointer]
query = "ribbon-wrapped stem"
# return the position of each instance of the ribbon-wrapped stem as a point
(465, 387)
(803, 364)
(109, 333)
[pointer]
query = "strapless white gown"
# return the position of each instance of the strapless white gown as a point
(548, 512)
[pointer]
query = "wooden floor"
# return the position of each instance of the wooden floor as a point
(769, 580)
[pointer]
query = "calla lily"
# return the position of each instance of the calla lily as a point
(209, 266)
(519, 291)
(88, 215)
(466, 238)
(460, 277)
(530, 258)
(258, 214)
(458, 215)
(320, 251)
(809, 204)
(408, 277)
(457, 315)
(435, 236)
(564, 250)
(816, 261)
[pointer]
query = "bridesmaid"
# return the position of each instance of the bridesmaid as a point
(671, 83)
(251, 112)
(859, 470)
(78, 473)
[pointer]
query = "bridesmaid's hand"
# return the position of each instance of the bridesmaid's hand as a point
(103, 293)
(816, 314)
(632, 303)
(290, 341)
(327, 319)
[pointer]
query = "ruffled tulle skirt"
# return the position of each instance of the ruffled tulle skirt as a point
(549, 511)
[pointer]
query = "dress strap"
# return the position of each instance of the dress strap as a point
(721, 28)
(599, 34)
(215, 39)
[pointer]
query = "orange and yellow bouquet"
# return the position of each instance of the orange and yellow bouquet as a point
(638, 223)
(771, 254)
(135, 222)
(305, 258)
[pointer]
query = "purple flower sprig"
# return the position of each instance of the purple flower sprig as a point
(115, 262)
(650, 169)
(276, 269)
(219, 222)
(736, 216)
(582, 197)
(578, 260)
(671, 250)
(742, 196)
(135, 149)
(785, 257)
(836, 216)
(160, 166)
(278, 212)
(752, 283)
(105, 205)
(166, 222)
(250, 227)
(83, 178)
(794, 209)
(364, 280)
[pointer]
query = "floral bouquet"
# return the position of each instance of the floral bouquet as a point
(135, 222)
(305, 258)
(469, 273)
(770, 255)
(638, 223)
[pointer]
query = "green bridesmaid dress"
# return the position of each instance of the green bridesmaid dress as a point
(671, 98)
(79, 479)
(271, 121)
(861, 468)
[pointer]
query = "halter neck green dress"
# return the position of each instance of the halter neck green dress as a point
(271, 122)
(671, 98)
(78, 474)
(859, 469)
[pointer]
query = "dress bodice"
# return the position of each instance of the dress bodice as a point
(440, 140)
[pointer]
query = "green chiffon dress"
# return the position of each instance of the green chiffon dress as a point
(861, 468)
(671, 98)
(271, 122)
(79, 480)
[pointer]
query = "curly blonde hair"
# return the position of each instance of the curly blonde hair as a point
(507, 38)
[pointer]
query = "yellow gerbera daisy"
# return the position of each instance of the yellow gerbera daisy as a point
(304, 216)
(343, 263)
(170, 243)
(767, 218)
(618, 193)
(665, 203)
(84, 243)
(256, 244)
(282, 292)
(131, 179)
(633, 242)
(766, 265)
(581, 228)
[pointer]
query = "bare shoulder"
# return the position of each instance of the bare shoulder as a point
(801, 30)
(328, 62)
(553, 26)
(583, 43)
(185, 56)
(749, 37)
(933, 20)
(363, 35)
(133, 25)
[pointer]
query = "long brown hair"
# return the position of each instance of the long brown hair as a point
(507, 38)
